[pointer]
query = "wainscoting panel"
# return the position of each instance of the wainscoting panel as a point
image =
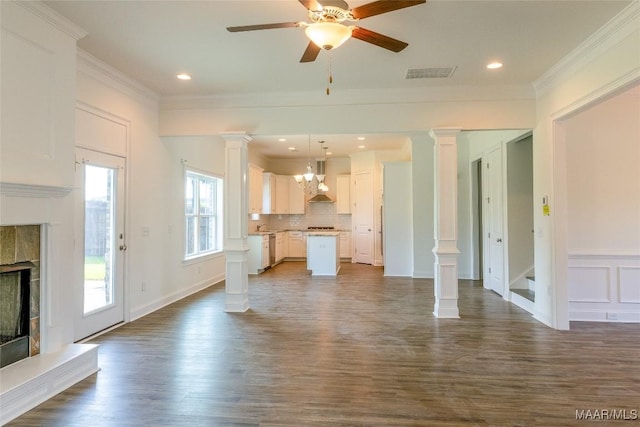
(589, 284)
(629, 284)
(604, 286)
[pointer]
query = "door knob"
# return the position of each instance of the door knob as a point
(123, 247)
(499, 240)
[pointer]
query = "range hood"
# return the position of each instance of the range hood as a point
(320, 197)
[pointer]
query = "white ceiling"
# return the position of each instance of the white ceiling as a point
(152, 41)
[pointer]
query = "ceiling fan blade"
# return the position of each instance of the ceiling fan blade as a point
(378, 39)
(311, 4)
(311, 53)
(263, 26)
(382, 6)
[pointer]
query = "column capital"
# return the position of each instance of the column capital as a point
(235, 136)
(437, 133)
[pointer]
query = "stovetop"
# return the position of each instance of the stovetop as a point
(320, 228)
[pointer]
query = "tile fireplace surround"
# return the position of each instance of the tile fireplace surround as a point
(20, 244)
(43, 215)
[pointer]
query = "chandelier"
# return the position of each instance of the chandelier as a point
(308, 175)
(306, 179)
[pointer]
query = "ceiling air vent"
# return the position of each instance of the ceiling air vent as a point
(429, 73)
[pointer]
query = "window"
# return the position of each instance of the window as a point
(203, 214)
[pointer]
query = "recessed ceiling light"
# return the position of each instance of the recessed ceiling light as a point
(184, 76)
(291, 148)
(282, 139)
(361, 146)
(361, 138)
(329, 153)
(494, 65)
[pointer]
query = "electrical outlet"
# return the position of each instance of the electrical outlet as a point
(612, 316)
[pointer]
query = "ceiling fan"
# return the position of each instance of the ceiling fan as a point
(327, 29)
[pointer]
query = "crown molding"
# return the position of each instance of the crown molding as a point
(618, 28)
(53, 18)
(106, 74)
(353, 97)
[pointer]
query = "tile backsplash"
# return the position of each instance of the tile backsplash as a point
(316, 215)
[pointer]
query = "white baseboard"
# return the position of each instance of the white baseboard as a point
(522, 302)
(176, 296)
(423, 274)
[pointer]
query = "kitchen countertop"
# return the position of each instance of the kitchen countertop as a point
(304, 230)
(323, 233)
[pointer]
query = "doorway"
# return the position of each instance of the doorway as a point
(363, 217)
(100, 241)
(519, 223)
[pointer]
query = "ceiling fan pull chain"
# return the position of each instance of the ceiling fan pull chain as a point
(330, 75)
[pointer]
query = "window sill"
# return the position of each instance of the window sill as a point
(203, 258)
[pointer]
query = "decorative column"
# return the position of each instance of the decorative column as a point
(446, 222)
(235, 222)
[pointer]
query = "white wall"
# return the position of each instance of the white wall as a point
(603, 210)
(603, 176)
(398, 219)
(422, 190)
(603, 64)
(154, 191)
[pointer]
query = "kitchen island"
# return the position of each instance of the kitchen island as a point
(323, 253)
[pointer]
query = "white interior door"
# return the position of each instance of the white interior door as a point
(99, 241)
(363, 218)
(494, 253)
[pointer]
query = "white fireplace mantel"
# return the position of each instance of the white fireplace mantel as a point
(30, 190)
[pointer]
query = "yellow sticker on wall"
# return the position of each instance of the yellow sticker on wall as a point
(545, 210)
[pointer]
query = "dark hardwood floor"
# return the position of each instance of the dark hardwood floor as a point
(356, 350)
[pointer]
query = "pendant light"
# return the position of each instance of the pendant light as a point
(308, 175)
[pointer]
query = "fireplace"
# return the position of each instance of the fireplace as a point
(37, 227)
(15, 308)
(19, 293)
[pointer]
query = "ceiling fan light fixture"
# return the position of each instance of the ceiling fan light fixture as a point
(328, 35)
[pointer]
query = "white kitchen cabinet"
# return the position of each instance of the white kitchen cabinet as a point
(269, 193)
(258, 253)
(282, 194)
(255, 189)
(297, 244)
(345, 244)
(296, 197)
(285, 243)
(275, 194)
(279, 246)
(343, 194)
